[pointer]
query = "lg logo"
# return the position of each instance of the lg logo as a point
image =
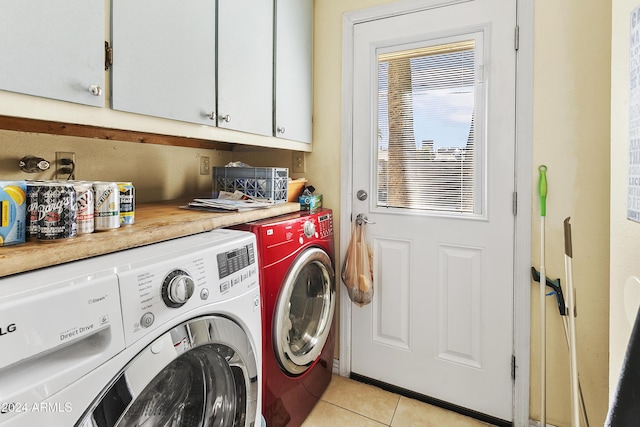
(7, 330)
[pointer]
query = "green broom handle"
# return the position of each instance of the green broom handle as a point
(542, 189)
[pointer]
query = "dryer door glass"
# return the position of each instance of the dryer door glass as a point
(304, 311)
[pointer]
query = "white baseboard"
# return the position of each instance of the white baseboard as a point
(536, 423)
(336, 367)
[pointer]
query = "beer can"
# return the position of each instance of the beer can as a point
(127, 203)
(56, 212)
(106, 206)
(32, 209)
(85, 206)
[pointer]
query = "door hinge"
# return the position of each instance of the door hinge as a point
(108, 55)
(513, 367)
(516, 44)
(515, 203)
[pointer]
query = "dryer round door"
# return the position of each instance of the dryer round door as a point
(304, 311)
(200, 373)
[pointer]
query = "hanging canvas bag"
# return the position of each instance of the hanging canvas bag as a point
(357, 274)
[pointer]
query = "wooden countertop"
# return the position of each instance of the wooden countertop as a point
(154, 223)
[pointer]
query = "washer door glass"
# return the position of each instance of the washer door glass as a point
(196, 389)
(201, 373)
(304, 311)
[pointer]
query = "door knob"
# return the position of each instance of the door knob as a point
(362, 219)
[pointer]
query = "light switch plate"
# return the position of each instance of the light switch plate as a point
(298, 162)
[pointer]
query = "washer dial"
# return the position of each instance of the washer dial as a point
(177, 288)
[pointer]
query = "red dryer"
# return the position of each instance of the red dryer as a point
(298, 291)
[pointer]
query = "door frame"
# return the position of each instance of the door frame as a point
(522, 182)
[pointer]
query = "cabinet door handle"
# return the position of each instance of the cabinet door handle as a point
(226, 118)
(280, 129)
(95, 90)
(211, 115)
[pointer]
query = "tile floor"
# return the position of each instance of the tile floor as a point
(351, 403)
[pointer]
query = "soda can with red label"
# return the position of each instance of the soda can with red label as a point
(85, 206)
(56, 212)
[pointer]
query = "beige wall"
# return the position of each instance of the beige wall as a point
(571, 135)
(625, 234)
(158, 172)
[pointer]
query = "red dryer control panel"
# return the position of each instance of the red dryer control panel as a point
(325, 225)
(285, 235)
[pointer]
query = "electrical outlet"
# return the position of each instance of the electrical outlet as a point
(204, 165)
(298, 162)
(65, 165)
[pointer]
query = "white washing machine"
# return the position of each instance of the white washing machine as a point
(163, 335)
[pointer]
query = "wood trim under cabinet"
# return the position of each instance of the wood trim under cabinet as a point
(95, 132)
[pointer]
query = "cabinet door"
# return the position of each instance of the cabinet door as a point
(53, 49)
(293, 69)
(245, 65)
(164, 58)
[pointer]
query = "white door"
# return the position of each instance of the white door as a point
(433, 148)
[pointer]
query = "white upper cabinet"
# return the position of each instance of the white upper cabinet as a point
(293, 69)
(245, 66)
(164, 59)
(242, 68)
(53, 49)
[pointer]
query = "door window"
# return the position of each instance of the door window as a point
(428, 149)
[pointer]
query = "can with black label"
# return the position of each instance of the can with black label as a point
(127, 203)
(106, 206)
(85, 206)
(56, 212)
(32, 209)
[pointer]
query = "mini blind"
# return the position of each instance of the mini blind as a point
(426, 141)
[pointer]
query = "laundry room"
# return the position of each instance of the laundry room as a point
(454, 297)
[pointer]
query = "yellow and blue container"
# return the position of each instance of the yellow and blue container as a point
(13, 212)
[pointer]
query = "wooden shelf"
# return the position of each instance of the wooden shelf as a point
(155, 222)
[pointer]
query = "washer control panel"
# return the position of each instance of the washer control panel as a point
(153, 294)
(232, 261)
